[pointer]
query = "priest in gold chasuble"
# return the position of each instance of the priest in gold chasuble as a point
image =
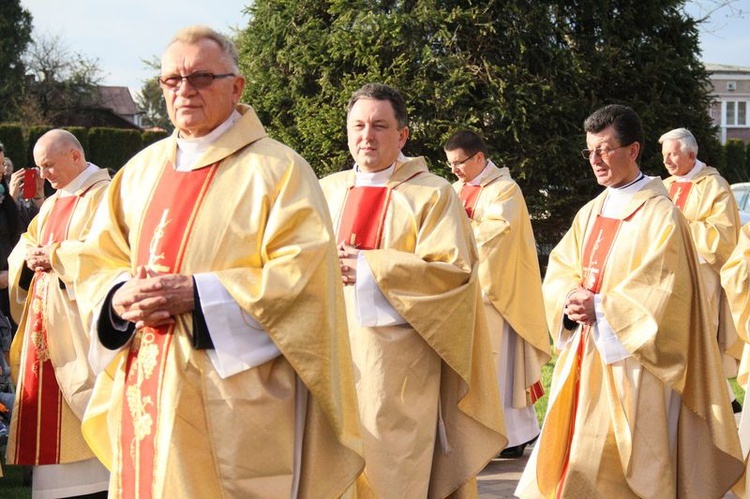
(429, 405)
(638, 404)
(735, 280)
(48, 355)
(707, 202)
(510, 280)
(213, 287)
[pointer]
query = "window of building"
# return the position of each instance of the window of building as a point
(736, 113)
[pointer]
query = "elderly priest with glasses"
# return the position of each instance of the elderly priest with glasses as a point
(638, 405)
(218, 320)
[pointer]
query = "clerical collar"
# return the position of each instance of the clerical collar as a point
(190, 150)
(699, 165)
(375, 179)
(625, 187)
(76, 183)
(618, 197)
(485, 171)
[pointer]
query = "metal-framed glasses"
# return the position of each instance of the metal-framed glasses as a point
(602, 153)
(457, 164)
(201, 79)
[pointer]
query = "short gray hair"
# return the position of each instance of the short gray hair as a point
(684, 136)
(196, 33)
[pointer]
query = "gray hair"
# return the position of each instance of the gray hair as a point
(684, 136)
(196, 33)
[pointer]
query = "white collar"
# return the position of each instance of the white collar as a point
(76, 183)
(189, 150)
(485, 171)
(699, 165)
(618, 197)
(375, 179)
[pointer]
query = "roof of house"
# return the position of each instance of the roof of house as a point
(725, 68)
(119, 100)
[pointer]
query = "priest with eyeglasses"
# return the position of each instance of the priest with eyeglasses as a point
(638, 404)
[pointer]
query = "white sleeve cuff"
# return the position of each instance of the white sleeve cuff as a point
(373, 309)
(605, 338)
(240, 342)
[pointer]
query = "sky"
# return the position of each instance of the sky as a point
(121, 34)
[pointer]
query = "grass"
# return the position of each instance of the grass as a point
(11, 484)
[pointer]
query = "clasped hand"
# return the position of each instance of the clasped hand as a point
(348, 260)
(153, 299)
(579, 306)
(38, 259)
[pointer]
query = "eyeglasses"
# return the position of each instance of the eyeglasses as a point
(456, 164)
(198, 80)
(602, 153)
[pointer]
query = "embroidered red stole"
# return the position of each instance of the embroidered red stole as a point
(362, 219)
(168, 220)
(469, 195)
(39, 412)
(679, 192)
(596, 253)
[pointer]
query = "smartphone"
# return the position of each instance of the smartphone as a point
(29, 183)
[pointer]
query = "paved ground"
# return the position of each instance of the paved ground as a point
(500, 477)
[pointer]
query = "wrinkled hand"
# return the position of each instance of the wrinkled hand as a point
(579, 306)
(348, 259)
(38, 258)
(150, 299)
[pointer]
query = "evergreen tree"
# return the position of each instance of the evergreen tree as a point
(522, 73)
(15, 35)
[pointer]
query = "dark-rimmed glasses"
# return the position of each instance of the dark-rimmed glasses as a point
(201, 79)
(457, 164)
(602, 153)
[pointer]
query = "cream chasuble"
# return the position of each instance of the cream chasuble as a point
(621, 441)
(512, 293)
(711, 210)
(735, 280)
(48, 354)
(430, 409)
(261, 226)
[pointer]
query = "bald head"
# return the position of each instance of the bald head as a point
(59, 156)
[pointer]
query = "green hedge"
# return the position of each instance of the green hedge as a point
(735, 161)
(13, 143)
(113, 147)
(151, 136)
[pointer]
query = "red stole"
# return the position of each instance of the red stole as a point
(595, 255)
(469, 195)
(559, 426)
(168, 220)
(39, 412)
(679, 192)
(363, 216)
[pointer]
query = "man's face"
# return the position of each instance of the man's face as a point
(57, 164)
(614, 164)
(677, 161)
(374, 137)
(465, 166)
(197, 112)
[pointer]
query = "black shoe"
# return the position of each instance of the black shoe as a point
(513, 452)
(736, 406)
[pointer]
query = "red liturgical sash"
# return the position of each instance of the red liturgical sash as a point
(166, 229)
(41, 406)
(362, 219)
(469, 195)
(559, 425)
(679, 192)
